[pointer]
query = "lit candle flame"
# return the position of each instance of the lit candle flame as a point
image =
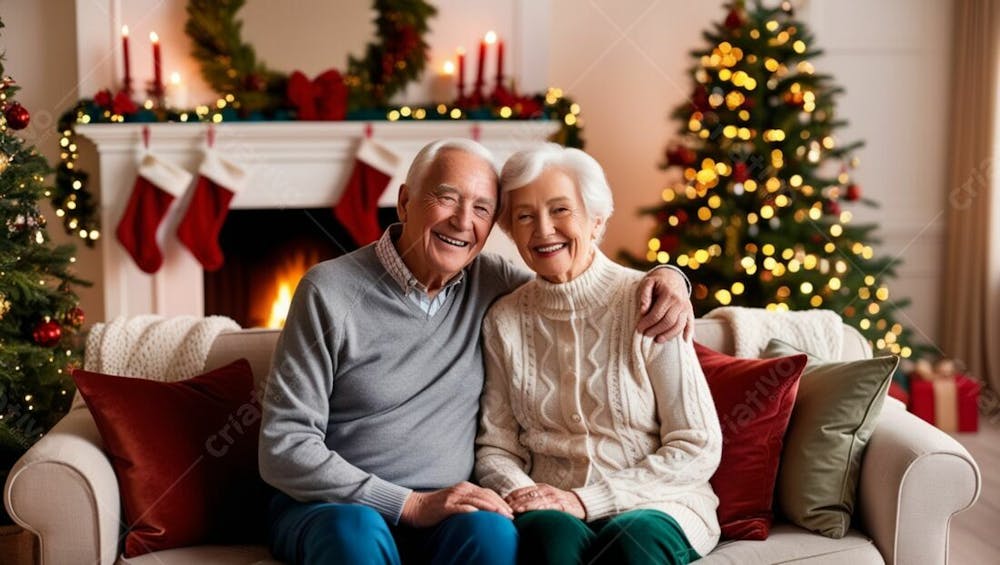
(490, 37)
(448, 68)
(124, 31)
(175, 78)
(153, 37)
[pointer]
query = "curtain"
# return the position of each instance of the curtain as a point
(971, 291)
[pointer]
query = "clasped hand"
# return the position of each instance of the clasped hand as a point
(426, 509)
(545, 497)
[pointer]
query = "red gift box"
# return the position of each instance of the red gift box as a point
(950, 403)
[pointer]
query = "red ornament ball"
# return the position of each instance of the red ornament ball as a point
(853, 193)
(47, 334)
(740, 173)
(832, 207)
(734, 19)
(17, 116)
(75, 317)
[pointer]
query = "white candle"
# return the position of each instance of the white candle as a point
(176, 92)
(443, 85)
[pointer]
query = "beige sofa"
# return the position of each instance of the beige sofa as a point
(914, 478)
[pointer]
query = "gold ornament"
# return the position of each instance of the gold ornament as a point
(4, 306)
(4, 161)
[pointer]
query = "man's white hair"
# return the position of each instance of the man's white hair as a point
(425, 158)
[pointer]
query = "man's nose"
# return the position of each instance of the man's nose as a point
(462, 218)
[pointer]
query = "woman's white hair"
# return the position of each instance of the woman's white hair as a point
(524, 167)
(425, 158)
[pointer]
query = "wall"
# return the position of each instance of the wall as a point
(39, 42)
(625, 62)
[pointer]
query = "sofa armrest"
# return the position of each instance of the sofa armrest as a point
(914, 477)
(65, 491)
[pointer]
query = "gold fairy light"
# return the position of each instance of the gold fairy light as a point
(654, 244)
(738, 288)
(662, 257)
(723, 297)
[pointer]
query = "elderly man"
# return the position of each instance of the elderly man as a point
(371, 406)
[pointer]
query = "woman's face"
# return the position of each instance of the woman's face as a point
(551, 228)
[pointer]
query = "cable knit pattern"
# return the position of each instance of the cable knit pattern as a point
(153, 347)
(820, 332)
(575, 398)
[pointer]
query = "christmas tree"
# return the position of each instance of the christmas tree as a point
(39, 315)
(756, 207)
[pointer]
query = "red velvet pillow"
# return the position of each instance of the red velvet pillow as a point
(185, 454)
(754, 399)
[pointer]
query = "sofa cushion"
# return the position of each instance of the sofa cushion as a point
(835, 414)
(791, 544)
(185, 454)
(754, 400)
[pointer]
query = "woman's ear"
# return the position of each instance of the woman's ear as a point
(598, 228)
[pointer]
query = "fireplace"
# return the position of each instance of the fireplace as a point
(291, 165)
(267, 252)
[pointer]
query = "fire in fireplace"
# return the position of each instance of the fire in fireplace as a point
(267, 252)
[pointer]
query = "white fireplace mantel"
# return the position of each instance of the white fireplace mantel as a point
(290, 165)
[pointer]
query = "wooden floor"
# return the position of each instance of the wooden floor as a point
(975, 533)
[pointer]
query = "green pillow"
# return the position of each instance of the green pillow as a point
(835, 413)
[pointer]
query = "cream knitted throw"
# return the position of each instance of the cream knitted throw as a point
(819, 332)
(153, 347)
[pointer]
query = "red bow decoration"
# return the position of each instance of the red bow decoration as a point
(324, 98)
(121, 103)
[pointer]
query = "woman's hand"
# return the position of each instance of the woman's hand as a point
(545, 497)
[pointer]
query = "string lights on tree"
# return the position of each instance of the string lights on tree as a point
(756, 210)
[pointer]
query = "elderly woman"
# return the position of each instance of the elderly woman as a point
(601, 440)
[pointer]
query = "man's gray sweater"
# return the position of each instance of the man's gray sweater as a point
(369, 397)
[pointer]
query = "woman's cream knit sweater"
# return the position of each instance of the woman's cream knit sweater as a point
(577, 399)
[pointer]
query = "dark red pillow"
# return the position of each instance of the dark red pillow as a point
(185, 454)
(754, 399)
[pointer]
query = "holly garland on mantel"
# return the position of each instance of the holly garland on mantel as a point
(250, 92)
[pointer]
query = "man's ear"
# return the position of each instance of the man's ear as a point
(401, 201)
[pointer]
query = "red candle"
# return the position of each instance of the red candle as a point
(157, 64)
(499, 63)
(128, 67)
(461, 73)
(490, 37)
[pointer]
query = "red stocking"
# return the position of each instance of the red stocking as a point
(357, 209)
(156, 187)
(218, 181)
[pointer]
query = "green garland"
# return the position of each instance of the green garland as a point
(230, 66)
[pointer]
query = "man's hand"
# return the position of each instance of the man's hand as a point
(671, 313)
(546, 497)
(425, 509)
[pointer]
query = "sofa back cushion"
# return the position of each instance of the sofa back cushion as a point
(185, 455)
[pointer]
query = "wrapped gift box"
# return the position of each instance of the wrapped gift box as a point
(950, 403)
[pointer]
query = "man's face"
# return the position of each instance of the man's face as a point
(446, 221)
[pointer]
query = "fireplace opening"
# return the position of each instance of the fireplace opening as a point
(266, 253)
